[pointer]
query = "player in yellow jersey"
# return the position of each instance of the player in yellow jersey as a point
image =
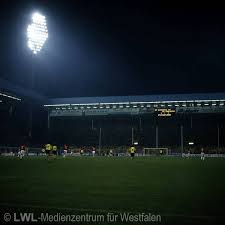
(54, 150)
(48, 149)
(132, 151)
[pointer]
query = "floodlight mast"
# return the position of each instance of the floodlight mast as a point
(37, 34)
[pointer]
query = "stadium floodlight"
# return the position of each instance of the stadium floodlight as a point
(37, 32)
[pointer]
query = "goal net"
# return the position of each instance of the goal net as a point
(155, 151)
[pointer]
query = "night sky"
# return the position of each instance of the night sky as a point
(100, 48)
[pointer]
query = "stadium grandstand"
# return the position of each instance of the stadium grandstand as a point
(151, 121)
(171, 121)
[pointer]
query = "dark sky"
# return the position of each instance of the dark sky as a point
(99, 48)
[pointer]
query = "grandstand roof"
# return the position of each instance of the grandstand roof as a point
(19, 92)
(7, 88)
(139, 98)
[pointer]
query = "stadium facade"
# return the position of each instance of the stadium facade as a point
(164, 105)
(171, 121)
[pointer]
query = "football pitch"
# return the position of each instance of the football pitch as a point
(181, 191)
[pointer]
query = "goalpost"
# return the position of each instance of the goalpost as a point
(155, 151)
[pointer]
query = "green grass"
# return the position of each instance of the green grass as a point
(180, 190)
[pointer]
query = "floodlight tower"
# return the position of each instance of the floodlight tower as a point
(37, 34)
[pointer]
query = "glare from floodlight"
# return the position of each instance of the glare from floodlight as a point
(37, 32)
